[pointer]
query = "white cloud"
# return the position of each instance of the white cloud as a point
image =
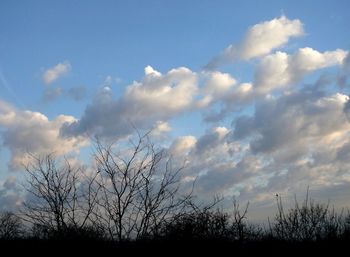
(295, 122)
(280, 69)
(260, 40)
(273, 72)
(218, 83)
(163, 94)
(301, 138)
(54, 73)
(160, 128)
(156, 97)
(276, 71)
(26, 132)
(290, 142)
(235, 98)
(308, 59)
(212, 159)
(182, 145)
(150, 71)
(241, 94)
(216, 87)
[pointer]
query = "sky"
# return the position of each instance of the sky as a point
(252, 94)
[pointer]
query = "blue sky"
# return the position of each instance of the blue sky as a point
(120, 38)
(98, 50)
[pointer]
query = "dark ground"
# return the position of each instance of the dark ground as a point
(168, 248)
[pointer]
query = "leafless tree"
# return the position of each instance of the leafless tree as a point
(10, 226)
(139, 188)
(60, 196)
(309, 221)
(240, 226)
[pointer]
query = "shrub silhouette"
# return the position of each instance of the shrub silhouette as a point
(309, 221)
(10, 226)
(73, 233)
(211, 223)
(203, 224)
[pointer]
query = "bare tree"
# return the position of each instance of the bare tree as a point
(240, 226)
(60, 196)
(139, 188)
(10, 226)
(309, 221)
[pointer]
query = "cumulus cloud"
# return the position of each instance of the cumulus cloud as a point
(274, 72)
(294, 120)
(156, 97)
(260, 40)
(211, 140)
(26, 132)
(212, 159)
(291, 141)
(10, 197)
(163, 94)
(217, 85)
(227, 176)
(182, 145)
(281, 69)
(344, 74)
(302, 139)
(54, 73)
(234, 100)
(160, 128)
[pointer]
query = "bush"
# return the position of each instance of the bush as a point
(198, 225)
(310, 221)
(69, 233)
(10, 226)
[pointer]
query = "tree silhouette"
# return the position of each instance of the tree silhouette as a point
(10, 226)
(60, 196)
(139, 190)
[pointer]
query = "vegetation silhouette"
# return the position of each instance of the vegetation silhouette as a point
(132, 200)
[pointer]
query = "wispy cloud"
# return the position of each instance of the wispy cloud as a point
(77, 93)
(54, 73)
(9, 88)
